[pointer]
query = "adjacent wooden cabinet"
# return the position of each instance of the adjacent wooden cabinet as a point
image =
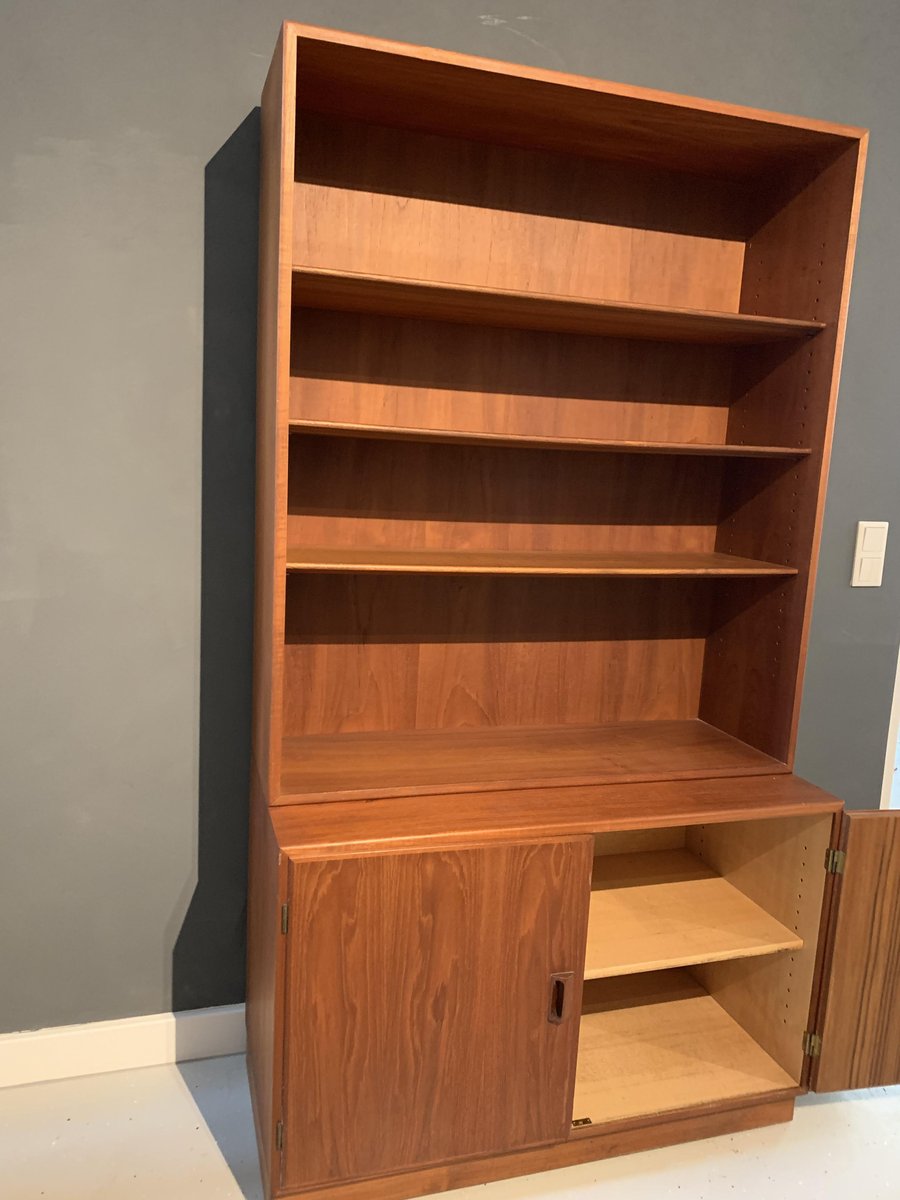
(547, 376)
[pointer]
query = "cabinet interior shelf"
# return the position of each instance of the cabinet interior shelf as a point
(347, 766)
(535, 442)
(349, 291)
(529, 562)
(666, 908)
(659, 1042)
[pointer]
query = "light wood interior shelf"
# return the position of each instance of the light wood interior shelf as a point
(666, 908)
(528, 562)
(658, 1042)
(358, 765)
(319, 287)
(534, 442)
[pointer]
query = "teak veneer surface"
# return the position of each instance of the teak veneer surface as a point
(658, 1042)
(318, 287)
(420, 87)
(532, 442)
(360, 765)
(535, 562)
(372, 369)
(587, 1145)
(398, 969)
(359, 826)
(666, 908)
(381, 652)
(481, 214)
(861, 1026)
(472, 710)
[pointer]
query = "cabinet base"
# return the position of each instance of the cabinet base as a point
(585, 1146)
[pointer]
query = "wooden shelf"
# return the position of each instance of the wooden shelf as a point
(352, 766)
(527, 562)
(526, 442)
(317, 287)
(666, 908)
(656, 1043)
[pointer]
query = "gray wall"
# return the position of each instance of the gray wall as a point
(128, 155)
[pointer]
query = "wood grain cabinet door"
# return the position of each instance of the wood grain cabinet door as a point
(423, 1022)
(861, 1025)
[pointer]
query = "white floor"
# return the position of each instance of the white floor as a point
(185, 1133)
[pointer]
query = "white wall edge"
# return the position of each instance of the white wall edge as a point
(890, 754)
(65, 1051)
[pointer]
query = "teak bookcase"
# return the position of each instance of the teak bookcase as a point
(547, 376)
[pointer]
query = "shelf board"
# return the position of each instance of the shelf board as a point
(666, 908)
(405, 433)
(318, 287)
(528, 562)
(353, 766)
(657, 1043)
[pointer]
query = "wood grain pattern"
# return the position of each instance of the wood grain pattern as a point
(267, 890)
(387, 201)
(727, 1117)
(529, 562)
(418, 1029)
(801, 261)
(654, 910)
(778, 864)
(370, 652)
(367, 765)
(382, 370)
(312, 831)
(471, 274)
(359, 495)
(266, 868)
(424, 88)
(273, 385)
(655, 1043)
(356, 291)
(545, 442)
(860, 1026)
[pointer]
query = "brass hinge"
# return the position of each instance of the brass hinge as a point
(835, 861)
(279, 1136)
(581, 1121)
(284, 918)
(812, 1045)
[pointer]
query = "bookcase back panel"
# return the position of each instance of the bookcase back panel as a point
(383, 370)
(383, 200)
(407, 495)
(377, 653)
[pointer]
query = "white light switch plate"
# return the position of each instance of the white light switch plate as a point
(868, 560)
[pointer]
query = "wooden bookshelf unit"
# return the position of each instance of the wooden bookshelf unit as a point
(547, 378)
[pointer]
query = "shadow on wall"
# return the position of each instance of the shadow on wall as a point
(208, 958)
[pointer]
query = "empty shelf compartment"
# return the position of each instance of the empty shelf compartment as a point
(667, 908)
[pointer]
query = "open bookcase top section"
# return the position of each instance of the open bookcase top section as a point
(418, 87)
(319, 287)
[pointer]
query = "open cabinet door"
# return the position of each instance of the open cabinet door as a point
(860, 1026)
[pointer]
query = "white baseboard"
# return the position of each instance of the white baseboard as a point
(65, 1051)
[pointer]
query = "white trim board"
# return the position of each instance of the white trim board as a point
(35, 1056)
(890, 754)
